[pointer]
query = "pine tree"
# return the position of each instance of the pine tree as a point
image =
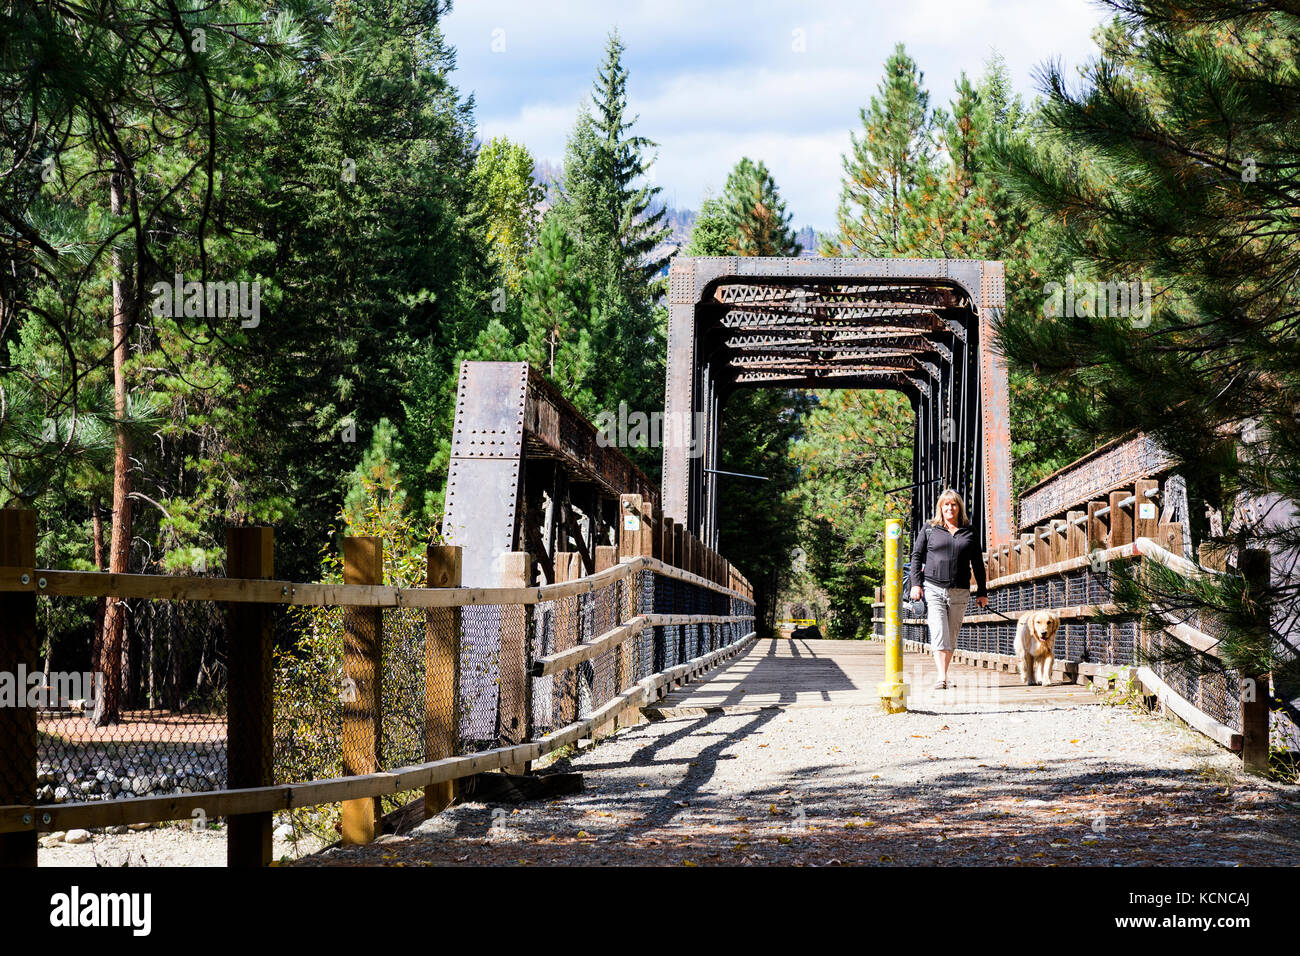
(558, 317)
(710, 233)
(755, 213)
(606, 209)
(889, 165)
(1177, 164)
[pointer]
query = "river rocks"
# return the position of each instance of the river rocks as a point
(131, 771)
(77, 836)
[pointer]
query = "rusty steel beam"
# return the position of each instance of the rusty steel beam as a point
(1114, 465)
(554, 428)
(773, 322)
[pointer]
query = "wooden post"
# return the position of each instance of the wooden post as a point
(19, 651)
(1121, 520)
(250, 755)
(607, 557)
(1076, 535)
(668, 547)
(650, 533)
(515, 699)
(1097, 532)
(679, 546)
(631, 527)
(1060, 531)
(1255, 568)
(442, 674)
(1042, 548)
(362, 692)
(1170, 537)
(1148, 525)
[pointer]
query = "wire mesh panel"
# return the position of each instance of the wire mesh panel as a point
(576, 692)
(1076, 639)
(164, 729)
(1201, 679)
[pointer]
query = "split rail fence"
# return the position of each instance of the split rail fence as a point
(437, 683)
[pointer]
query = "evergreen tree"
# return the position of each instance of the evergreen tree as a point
(558, 315)
(710, 233)
(606, 209)
(889, 165)
(855, 445)
(755, 213)
(1176, 164)
(503, 182)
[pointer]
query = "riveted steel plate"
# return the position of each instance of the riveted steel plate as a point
(490, 403)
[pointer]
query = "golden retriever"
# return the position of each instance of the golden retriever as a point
(1035, 636)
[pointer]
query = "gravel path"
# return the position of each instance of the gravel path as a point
(161, 845)
(838, 782)
(762, 765)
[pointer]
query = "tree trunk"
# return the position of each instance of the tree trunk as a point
(97, 546)
(108, 706)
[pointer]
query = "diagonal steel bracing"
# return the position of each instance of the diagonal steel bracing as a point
(922, 327)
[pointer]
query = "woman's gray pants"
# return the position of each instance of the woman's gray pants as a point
(944, 609)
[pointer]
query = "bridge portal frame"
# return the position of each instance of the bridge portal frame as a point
(824, 323)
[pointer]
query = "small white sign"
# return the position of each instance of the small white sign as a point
(1147, 511)
(895, 530)
(631, 523)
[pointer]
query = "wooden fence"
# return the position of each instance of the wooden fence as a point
(250, 593)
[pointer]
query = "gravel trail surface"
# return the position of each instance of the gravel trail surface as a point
(1051, 777)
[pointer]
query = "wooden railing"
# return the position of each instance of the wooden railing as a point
(251, 796)
(1124, 516)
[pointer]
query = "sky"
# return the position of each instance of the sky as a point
(711, 82)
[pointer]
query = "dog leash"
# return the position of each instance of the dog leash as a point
(1013, 620)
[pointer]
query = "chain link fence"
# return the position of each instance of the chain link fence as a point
(149, 722)
(451, 681)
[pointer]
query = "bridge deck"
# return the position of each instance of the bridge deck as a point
(822, 673)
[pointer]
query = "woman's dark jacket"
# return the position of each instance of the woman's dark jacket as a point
(946, 560)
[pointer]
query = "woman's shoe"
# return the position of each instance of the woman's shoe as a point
(940, 685)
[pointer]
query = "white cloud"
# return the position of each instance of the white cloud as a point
(713, 82)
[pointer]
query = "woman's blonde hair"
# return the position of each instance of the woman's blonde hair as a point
(962, 520)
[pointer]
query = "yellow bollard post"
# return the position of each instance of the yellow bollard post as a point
(893, 693)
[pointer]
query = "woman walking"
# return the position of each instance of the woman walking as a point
(943, 556)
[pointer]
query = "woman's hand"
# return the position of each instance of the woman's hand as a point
(982, 601)
(916, 592)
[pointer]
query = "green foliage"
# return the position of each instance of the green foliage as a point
(560, 316)
(756, 221)
(1175, 163)
(605, 208)
(309, 679)
(890, 164)
(856, 445)
(503, 182)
